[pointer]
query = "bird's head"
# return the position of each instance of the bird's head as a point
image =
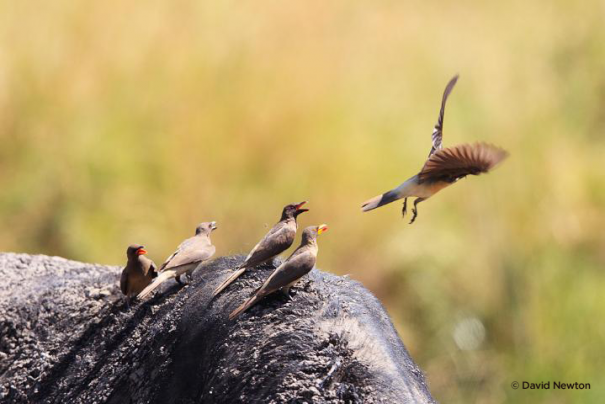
(205, 228)
(293, 210)
(311, 233)
(134, 250)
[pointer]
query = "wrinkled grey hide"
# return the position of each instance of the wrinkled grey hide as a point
(67, 337)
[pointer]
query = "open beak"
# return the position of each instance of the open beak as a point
(213, 225)
(298, 207)
(141, 251)
(322, 228)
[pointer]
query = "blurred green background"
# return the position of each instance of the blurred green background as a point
(127, 122)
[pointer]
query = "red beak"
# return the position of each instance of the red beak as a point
(298, 207)
(141, 251)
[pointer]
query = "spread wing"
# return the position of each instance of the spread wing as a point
(299, 264)
(456, 162)
(276, 241)
(438, 130)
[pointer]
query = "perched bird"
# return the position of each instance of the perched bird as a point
(295, 267)
(442, 168)
(138, 272)
(186, 258)
(277, 240)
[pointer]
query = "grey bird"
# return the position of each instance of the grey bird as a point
(138, 272)
(287, 274)
(442, 168)
(277, 240)
(186, 258)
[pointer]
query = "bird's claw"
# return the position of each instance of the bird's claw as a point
(404, 210)
(414, 214)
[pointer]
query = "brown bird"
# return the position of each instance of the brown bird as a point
(186, 258)
(138, 272)
(277, 240)
(442, 168)
(287, 274)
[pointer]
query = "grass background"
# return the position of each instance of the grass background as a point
(132, 122)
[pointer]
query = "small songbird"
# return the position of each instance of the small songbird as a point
(138, 272)
(442, 168)
(186, 258)
(277, 240)
(287, 274)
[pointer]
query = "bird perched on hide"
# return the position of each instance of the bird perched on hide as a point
(287, 274)
(277, 240)
(138, 272)
(186, 258)
(442, 168)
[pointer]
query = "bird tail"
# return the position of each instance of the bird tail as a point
(228, 281)
(162, 277)
(380, 200)
(245, 306)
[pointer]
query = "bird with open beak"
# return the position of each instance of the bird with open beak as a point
(442, 168)
(190, 253)
(287, 274)
(138, 272)
(277, 240)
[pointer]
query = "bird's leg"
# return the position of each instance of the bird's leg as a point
(405, 207)
(128, 303)
(189, 276)
(286, 291)
(415, 209)
(178, 280)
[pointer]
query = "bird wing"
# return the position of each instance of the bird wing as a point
(437, 136)
(124, 281)
(194, 249)
(456, 162)
(300, 263)
(169, 259)
(276, 241)
(151, 267)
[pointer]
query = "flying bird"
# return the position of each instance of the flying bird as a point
(287, 274)
(442, 168)
(186, 258)
(138, 272)
(277, 240)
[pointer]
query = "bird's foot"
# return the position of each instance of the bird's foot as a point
(414, 214)
(404, 210)
(178, 280)
(286, 293)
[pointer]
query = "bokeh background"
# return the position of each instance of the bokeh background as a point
(127, 122)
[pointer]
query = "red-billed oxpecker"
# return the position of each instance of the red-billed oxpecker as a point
(442, 168)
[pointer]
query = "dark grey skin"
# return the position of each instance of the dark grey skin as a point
(335, 337)
(277, 240)
(189, 254)
(138, 272)
(300, 263)
(442, 168)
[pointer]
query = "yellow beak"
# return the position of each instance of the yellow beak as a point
(322, 228)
